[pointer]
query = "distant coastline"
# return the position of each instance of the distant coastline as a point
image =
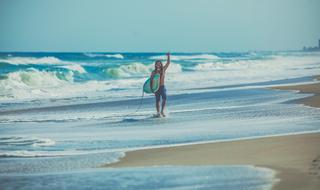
(316, 48)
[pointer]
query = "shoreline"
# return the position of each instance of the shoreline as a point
(312, 101)
(295, 158)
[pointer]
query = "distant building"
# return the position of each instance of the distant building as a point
(312, 48)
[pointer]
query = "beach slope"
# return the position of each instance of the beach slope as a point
(296, 158)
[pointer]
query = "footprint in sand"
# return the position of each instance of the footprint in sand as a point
(314, 169)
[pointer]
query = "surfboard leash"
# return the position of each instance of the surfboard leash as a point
(139, 106)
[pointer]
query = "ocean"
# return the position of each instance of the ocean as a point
(62, 115)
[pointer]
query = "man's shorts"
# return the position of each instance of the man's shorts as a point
(161, 92)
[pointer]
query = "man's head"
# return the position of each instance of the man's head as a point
(158, 65)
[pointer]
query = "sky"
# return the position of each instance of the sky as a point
(158, 26)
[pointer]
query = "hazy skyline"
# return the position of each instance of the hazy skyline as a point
(158, 26)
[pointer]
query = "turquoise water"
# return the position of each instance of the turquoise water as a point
(43, 76)
(62, 114)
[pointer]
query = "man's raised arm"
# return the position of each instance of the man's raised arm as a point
(168, 61)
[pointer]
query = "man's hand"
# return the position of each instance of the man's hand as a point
(168, 54)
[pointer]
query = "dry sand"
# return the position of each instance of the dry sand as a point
(296, 158)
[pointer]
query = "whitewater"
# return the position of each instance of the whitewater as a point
(62, 115)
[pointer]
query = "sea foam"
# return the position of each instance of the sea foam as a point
(118, 56)
(31, 60)
(26, 141)
(34, 84)
(187, 57)
(138, 69)
(74, 67)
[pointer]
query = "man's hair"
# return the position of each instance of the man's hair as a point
(158, 61)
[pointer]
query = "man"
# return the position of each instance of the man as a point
(160, 69)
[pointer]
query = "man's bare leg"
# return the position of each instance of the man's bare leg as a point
(162, 108)
(158, 107)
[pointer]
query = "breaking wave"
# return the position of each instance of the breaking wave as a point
(35, 78)
(187, 57)
(276, 63)
(31, 60)
(133, 69)
(74, 67)
(32, 83)
(43, 60)
(93, 79)
(118, 56)
(137, 69)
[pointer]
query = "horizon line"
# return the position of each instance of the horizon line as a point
(288, 50)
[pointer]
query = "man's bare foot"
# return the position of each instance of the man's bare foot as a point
(163, 115)
(157, 115)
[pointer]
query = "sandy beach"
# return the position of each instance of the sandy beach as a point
(296, 158)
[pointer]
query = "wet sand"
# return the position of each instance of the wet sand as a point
(313, 101)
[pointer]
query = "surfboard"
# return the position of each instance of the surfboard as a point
(155, 84)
